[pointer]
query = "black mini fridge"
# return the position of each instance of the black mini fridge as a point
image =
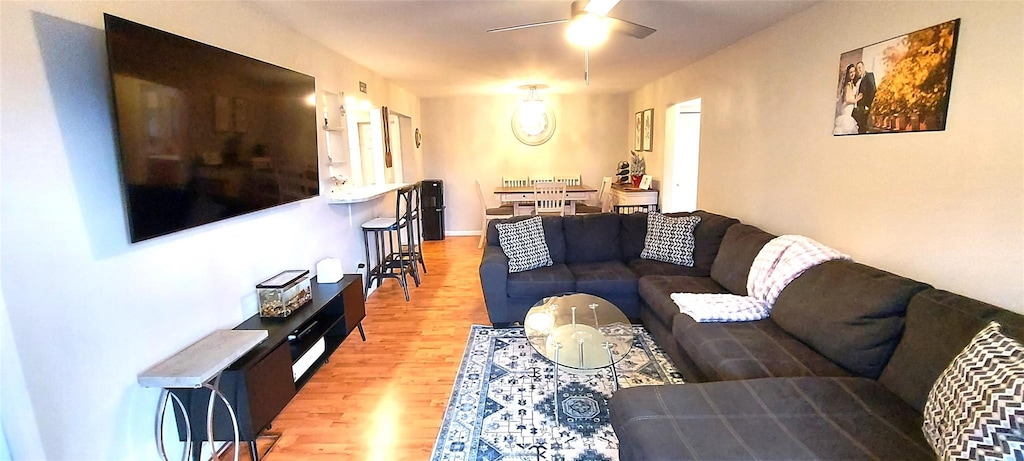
(432, 205)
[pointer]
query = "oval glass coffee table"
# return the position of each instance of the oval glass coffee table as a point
(581, 332)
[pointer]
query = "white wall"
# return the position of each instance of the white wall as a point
(470, 137)
(88, 311)
(946, 208)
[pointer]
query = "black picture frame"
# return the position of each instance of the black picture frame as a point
(648, 130)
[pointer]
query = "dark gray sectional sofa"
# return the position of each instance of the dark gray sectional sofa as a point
(840, 370)
(595, 253)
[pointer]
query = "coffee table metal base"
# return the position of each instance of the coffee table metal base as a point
(615, 375)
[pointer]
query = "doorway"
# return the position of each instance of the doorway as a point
(680, 191)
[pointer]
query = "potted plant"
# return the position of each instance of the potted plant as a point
(637, 167)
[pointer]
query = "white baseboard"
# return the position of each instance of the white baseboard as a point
(462, 233)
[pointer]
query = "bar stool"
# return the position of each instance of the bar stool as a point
(391, 260)
(415, 251)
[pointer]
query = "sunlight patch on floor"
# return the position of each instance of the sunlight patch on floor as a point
(385, 432)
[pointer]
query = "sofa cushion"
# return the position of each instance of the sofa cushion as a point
(633, 234)
(974, 410)
(604, 279)
(851, 313)
(736, 254)
(523, 243)
(554, 236)
(939, 325)
(540, 282)
(592, 237)
(670, 239)
(656, 290)
(744, 350)
(775, 419)
(644, 267)
(707, 237)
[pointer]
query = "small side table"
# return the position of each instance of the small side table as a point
(199, 366)
(628, 199)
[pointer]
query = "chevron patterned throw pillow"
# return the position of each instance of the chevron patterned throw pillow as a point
(523, 243)
(975, 410)
(670, 239)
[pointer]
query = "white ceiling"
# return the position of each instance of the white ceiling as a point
(440, 48)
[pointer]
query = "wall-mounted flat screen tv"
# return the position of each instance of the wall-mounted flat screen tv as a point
(205, 134)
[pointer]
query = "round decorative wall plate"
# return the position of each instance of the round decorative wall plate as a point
(533, 126)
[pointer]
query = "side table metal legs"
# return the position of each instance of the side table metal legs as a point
(166, 395)
(215, 393)
(209, 416)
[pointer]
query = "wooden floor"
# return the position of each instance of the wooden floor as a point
(383, 399)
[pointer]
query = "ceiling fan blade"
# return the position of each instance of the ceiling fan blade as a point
(526, 26)
(600, 7)
(630, 28)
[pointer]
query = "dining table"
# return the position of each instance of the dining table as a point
(521, 197)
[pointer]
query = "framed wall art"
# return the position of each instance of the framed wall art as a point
(648, 132)
(638, 127)
(645, 182)
(897, 85)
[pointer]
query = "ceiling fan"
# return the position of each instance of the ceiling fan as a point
(589, 25)
(597, 8)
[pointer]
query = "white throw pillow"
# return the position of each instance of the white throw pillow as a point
(975, 410)
(670, 239)
(523, 243)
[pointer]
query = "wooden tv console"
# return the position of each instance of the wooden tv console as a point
(261, 382)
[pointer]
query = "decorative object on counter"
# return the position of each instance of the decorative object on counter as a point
(648, 131)
(283, 293)
(328, 270)
(637, 167)
(645, 182)
(385, 116)
(622, 173)
(338, 181)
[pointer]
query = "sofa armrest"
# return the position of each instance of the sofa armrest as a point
(494, 281)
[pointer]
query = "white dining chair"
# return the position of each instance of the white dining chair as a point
(501, 212)
(515, 182)
(570, 180)
(522, 207)
(603, 201)
(537, 179)
(549, 198)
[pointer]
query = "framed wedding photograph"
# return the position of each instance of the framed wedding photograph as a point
(897, 85)
(638, 131)
(648, 134)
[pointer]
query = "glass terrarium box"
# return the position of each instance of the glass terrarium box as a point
(284, 293)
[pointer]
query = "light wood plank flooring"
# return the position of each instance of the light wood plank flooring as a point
(383, 399)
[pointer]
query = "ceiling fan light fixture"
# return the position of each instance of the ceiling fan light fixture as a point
(587, 30)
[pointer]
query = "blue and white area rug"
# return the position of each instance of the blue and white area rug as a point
(502, 405)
